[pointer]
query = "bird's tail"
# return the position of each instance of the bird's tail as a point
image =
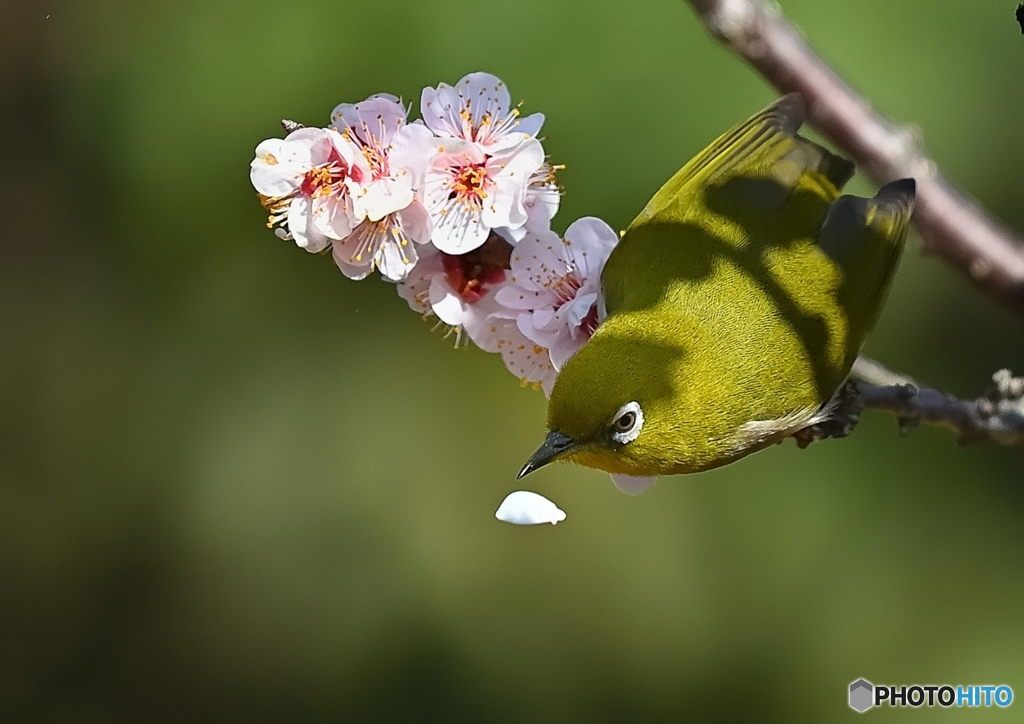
(866, 238)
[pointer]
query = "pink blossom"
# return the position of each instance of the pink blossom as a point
(398, 155)
(554, 286)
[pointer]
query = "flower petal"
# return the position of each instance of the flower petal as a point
(553, 294)
(415, 288)
(415, 222)
(447, 305)
(631, 485)
(333, 216)
(484, 95)
(521, 161)
(477, 109)
(539, 260)
(563, 347)
(359, 172)
(517, 299)
(301, 227)
(440, 109)
(412, 153)
(542, 198)
(481, 325)
(590, 241)
(373, 122)
(524, 507)
(531, 124)
(385, 196)
(281, 163)
(457, 223)
(396, 257)
(459, 231)
(523, 358)
(351, 256)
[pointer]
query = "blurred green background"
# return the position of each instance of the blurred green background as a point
(235, 485)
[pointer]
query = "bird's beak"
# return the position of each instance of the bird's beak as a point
(555, 445)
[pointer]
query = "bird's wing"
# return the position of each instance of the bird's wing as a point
(865, 237)
(765, 146)
(747, 175)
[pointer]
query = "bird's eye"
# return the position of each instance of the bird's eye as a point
(627, 423)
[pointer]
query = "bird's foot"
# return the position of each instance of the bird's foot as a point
(844, 414)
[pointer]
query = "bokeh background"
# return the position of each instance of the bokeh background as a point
(235, 485)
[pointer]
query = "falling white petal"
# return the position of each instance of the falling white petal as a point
(526, 508)
(631, 485)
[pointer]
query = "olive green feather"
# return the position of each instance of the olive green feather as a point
(737, 301)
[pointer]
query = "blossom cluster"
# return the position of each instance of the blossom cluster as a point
(455, 208)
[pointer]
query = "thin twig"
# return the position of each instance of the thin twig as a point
(997, 416)
(951, 225)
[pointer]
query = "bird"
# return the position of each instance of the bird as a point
(734, 307)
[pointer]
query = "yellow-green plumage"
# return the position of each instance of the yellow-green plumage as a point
(736, 301)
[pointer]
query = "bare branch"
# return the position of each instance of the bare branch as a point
(997, 416)
(952, 226)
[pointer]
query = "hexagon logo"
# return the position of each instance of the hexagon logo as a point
(862, 695)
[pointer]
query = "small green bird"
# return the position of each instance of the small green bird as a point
(736, 304)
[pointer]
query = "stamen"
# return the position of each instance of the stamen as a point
(469, 185)
(278, 208)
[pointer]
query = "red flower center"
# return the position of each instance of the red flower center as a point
(321, 179)
(470, 273)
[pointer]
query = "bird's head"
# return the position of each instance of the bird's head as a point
(616, 406)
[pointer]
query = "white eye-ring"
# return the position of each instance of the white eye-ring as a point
(627, 423)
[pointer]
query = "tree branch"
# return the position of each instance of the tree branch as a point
(952, 226)
(997, 416)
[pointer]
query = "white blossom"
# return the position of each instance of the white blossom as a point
(383, 243)
(477, 109)
(469, 193)
(311, 182)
